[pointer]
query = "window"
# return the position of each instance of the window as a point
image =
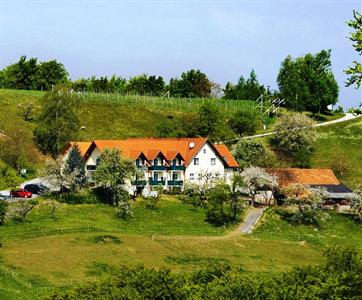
(196, 161)
(138, 162)
(174, 162)
(91, 167)
(155, 176)
(192, 176)
(174, 176)
(199, 176)
(204, 151)
(213, 161)
(155, 162)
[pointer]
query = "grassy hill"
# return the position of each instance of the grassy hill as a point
(341, 142)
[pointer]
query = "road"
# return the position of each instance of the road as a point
(6, 193)
(251, 219)
(346, 117)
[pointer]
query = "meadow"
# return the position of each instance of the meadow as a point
(84, 241)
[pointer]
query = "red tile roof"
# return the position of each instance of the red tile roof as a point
(83, 147)
(170, 148)
(226, 155)
(289, 176)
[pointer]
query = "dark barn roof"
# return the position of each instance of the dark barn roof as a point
(333, 188)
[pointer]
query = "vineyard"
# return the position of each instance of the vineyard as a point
(169, 104)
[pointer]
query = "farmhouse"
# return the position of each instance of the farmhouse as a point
(313, 178)
(169, 162)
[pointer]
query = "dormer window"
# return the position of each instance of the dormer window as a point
(155, 162)
(138, 162)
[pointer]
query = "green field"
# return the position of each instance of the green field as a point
(86, 240)
(341, 142)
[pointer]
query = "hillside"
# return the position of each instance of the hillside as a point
(341, 143)
(105, 116)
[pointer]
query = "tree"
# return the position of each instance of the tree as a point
(3, 210)
(49, 74)
(308, 83)
(356, 204)
(245, 122)
(212, 124)
(248, 152)
(111, 174)
(295, 137)
(21, 75)
(19, 212)
(218, 197)
(309, 203)
(17, 148)
(249, 89)
(54, 173)
(355, 71)
(26, 110)
(237, 183)
(257, 179)
(58, 122)
(75, 169)
(210, 119)
(192, 84)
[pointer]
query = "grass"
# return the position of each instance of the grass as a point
(340, 229)
(86, 241)
(341, 142)
(171, 217)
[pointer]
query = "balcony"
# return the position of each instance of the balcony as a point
(177, 168)
(156, 182)
(139, 182)
(175, 182)
(157, 168)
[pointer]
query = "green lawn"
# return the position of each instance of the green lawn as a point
(171, 217)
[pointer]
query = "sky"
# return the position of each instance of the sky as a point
(224, 39)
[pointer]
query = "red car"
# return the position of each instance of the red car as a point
(21, 193)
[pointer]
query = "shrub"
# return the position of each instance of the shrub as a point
(3, 210)
(249, 152)
(245, 122)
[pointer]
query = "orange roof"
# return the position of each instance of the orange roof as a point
(151, 147)
(83, 146)
(226, 155)
(289, 176)
(170, 148)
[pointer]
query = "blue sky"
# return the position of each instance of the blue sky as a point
(225, 39)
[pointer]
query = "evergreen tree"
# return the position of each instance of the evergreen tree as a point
(75, 165)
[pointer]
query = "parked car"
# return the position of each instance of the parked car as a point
(3, 197)
(36, 188)
(21, 193)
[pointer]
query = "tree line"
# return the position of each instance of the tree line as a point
(306, 83)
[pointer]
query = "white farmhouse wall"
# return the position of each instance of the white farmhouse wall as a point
(204, 155)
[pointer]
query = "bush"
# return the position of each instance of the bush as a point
(245, 122)
(338, 278)
(85, 196)
(249, 152)
(3, 210)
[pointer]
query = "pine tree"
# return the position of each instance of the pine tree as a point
(75, 166)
